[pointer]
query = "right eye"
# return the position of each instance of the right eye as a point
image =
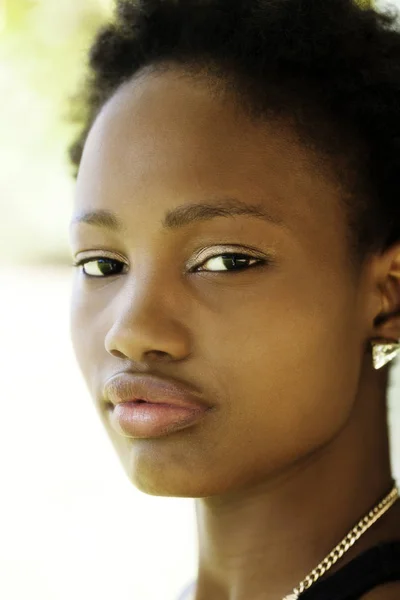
(100, 266)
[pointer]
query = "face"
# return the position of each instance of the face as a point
(249, 311)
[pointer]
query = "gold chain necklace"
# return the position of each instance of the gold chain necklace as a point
(365, 523)
(338, 551)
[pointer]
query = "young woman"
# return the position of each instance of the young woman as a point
(236, 306)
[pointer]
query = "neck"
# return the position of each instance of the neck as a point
(260, 542)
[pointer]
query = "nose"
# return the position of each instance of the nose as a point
(148, 327)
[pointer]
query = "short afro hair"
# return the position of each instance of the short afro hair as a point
(329, 67)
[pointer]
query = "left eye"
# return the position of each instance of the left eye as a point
(230, 263)
(100, 267)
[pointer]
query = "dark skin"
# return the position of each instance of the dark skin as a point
(296, 450)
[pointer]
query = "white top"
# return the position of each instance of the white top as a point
(189, 592)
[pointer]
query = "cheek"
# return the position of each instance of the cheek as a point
(83, 331)
(292, 377)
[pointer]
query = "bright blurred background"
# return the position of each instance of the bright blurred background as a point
(71, 525)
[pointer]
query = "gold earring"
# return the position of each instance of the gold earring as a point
(382, 352)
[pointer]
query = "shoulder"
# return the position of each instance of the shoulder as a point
(386, 591)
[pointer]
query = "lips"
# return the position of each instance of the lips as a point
(129, 387)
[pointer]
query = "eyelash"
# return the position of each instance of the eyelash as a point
(259, 262)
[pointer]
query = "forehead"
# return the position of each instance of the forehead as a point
(167, 138)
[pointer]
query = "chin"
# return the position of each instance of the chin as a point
(155, 477)
(172, 482)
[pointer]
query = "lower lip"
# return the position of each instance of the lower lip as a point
(145, 420)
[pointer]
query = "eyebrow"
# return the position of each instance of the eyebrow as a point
(183, 215)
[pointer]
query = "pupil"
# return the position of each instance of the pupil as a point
(235, 261)
(106, 266)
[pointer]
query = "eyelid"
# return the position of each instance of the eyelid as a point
(204, 254)
(93, 254)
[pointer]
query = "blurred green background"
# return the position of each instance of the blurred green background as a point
(43, 47)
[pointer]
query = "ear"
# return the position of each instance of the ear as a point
(387, 322)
